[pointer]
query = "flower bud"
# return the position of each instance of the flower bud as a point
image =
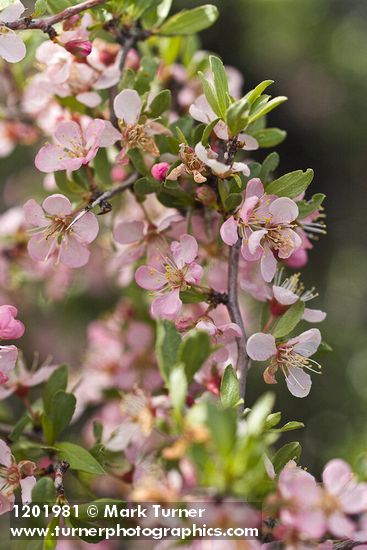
(79, 48)
(159, 171)
(206, 195)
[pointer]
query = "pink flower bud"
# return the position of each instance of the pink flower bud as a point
(206, 195)
(79, 48)
(159, 171)
(10, 327)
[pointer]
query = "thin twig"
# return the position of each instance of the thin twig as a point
(46, 23)
(243, 361)
(104, 197)
(60, 470)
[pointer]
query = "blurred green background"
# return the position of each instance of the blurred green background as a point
(316, 52)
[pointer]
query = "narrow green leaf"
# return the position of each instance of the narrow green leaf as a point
(178, 387)
(57, 381)
(208, 131)
(259, 413)
(190, 21)
(290, 451)
(289, 426)
(146, 186)
(269, 165)
(309, 207)
(44, 491)
(193, 351)
(270, 137)
(220, 83)
(272, 420)
(230, 388)
(160, 104)
(167, 346)
(237, 116)
(254, 94)
(210, 94)
(270, 105)
(50, 539)
(289, 320)
(60, 413)
(146, 74)
(40, 8)
(292, 184)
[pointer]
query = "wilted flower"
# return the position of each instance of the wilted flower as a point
(292, 357)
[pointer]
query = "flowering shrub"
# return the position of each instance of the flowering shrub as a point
(154, 178)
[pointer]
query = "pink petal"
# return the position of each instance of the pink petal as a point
(57, 205)
(194, 274)
(298, 382)
(247, 207)
(41, 375)
(5, 454)
(90, 99)
(150, 278)
(254, 188)
(354, 498)
(51, 158)
(251, 144)
(185, 251)
(129, 232)
(229, 232)
(69, 134)
(128, 106)
(268, 265)
(27, 485)
(221, 130)
(12, 47)
(168, 306)
(73, 253)
(34, 214)
(261, 346)
(283, 210)
(254, 242)
(202, 112)
(12, 12)
(284, 296)
(8, 358)
(307, 343)
(6, 503)
(336, 476)
(110, 135)
(313, 315)
(86, 228)
(340, 526)
(39, 248)
(93, 133)
(240, 167)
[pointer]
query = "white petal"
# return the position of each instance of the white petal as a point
(12, 12)
(313, 315)
(298, 382)
(128, 106)
(283, 210)
(307, 343)
(261, 346)
(12, 47)
(284, 296)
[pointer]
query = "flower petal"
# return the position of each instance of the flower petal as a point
(128, 106)
(12, 12)
(129, 232)
(12, 47)
(268, 265)
(90, 99)
(69, 134)
(27, 485)
(185, 251)
(86, 228)
(261, 346)
(284, 296)
(336, 476)
(34, 214)
(5, 454)
(110, 135)
(229, 232)
(57, 205)
(250, 143)
(39, 248)
(168, 306)
(150, 278)
(73, 253)
(313, 315)
(298, 382)
(307, 343)
(283, 210)
(254, 188)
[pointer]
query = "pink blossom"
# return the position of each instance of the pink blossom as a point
(265, 225)
(8, 358)
(343, 496)
(10, 327)
(173, 275)
(301, 496)
(21, 379)
(53, 232)
(292, 357)
(75, 146)
(79, 48)
(12, 476)
(12, 47)
(159, 171)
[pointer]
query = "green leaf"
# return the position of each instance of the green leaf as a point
(237, 116)
(40, 8)
(324, 347)
(208, 130)
(55, 6)
(265, 109)
(272, 420)
(167, 346)
(220, 83)
(69, 187)
(57, 381)
(292, 184)
(190, 21)
(210, 94)
(233, 201)
(289, 320)
(102, 168)
(259, 413)
(156, 15)
(193, 351)
(254, 94)
(137, 160)
(60, 413)
(269, 165)
(50, 539)
(290, 451)
(79, 458)
(270, 137)
(19, 427)
(289, 426)
(230, 388)
(160, 104)
(44, 491)
(222, 424)
(309, 207)
(146, 74)
(146, 186)
(178, 387)
(192, 296)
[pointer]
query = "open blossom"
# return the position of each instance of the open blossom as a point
(191, 165)
(12, 47)
(135, 133)
(75, 146)
(202, 112)
(265, 225)
(53, 234)
(10, 327)
(21, 379)
(210, 158)
(12, 476)
(171, 276)
(343, 496)
(292, 358)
